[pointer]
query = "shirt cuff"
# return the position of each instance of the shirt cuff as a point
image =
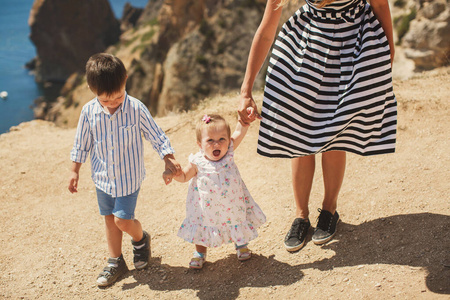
(78, 156)
(165, 148)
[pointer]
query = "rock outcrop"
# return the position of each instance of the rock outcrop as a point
(200, 49)
(180, 52)
(130, 16)
(66, 33)
(427, 41)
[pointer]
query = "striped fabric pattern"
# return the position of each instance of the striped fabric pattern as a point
(335, 5)
(115, 144)
(329, 85)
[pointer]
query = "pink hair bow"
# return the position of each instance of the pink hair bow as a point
(206, 119)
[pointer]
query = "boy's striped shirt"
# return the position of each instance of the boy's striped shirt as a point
(115, 144)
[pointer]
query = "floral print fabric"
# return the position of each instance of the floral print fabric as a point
(219, 208)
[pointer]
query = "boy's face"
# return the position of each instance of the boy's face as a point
(215, 142)
(113, 101)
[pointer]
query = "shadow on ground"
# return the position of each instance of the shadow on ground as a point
(219, 280)
(416, 240)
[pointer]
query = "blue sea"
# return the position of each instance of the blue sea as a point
(16, 49)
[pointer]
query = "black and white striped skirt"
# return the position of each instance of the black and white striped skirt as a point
(329, 86)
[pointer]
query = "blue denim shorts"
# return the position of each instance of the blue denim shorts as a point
(121, 207)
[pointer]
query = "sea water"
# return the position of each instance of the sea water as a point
(16, 49)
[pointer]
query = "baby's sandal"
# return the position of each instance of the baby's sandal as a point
(197, 260)
(243, 253)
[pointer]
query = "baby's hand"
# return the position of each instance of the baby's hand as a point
(251, 113)
(247, 111)
(167, 176)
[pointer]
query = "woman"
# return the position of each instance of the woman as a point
(329, 91)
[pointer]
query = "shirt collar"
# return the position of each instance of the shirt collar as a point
(124, 107)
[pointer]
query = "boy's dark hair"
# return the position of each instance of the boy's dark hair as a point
(105, 74)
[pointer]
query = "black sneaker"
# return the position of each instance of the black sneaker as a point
(296, 236)
(111, 273)
(141, 251)
(326, 227)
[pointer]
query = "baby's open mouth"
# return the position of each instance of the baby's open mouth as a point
(216, 152)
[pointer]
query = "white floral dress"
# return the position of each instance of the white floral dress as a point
(219, 208)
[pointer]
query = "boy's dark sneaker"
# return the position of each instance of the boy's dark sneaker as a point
(141, 251)
(296, 236)
(326, 227)
(115, 268)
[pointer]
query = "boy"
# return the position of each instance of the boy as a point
(109, 129)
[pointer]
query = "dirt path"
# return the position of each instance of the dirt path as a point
(393, 241)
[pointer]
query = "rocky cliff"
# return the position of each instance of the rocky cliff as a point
(67, 32)
(427, 41)
(180, 51)
(196, 56)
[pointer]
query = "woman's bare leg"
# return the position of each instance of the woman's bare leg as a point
(302, 178)
(333, 168)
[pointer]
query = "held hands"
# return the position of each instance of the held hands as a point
(247, 111)
(172, 168)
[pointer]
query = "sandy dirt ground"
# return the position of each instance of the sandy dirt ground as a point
(393, 240)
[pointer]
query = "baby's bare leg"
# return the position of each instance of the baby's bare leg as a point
(200, 249)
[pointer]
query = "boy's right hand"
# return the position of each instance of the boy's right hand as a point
(73, 183)
(167, 176)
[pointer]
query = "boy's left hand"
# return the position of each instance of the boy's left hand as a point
(172, 165)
